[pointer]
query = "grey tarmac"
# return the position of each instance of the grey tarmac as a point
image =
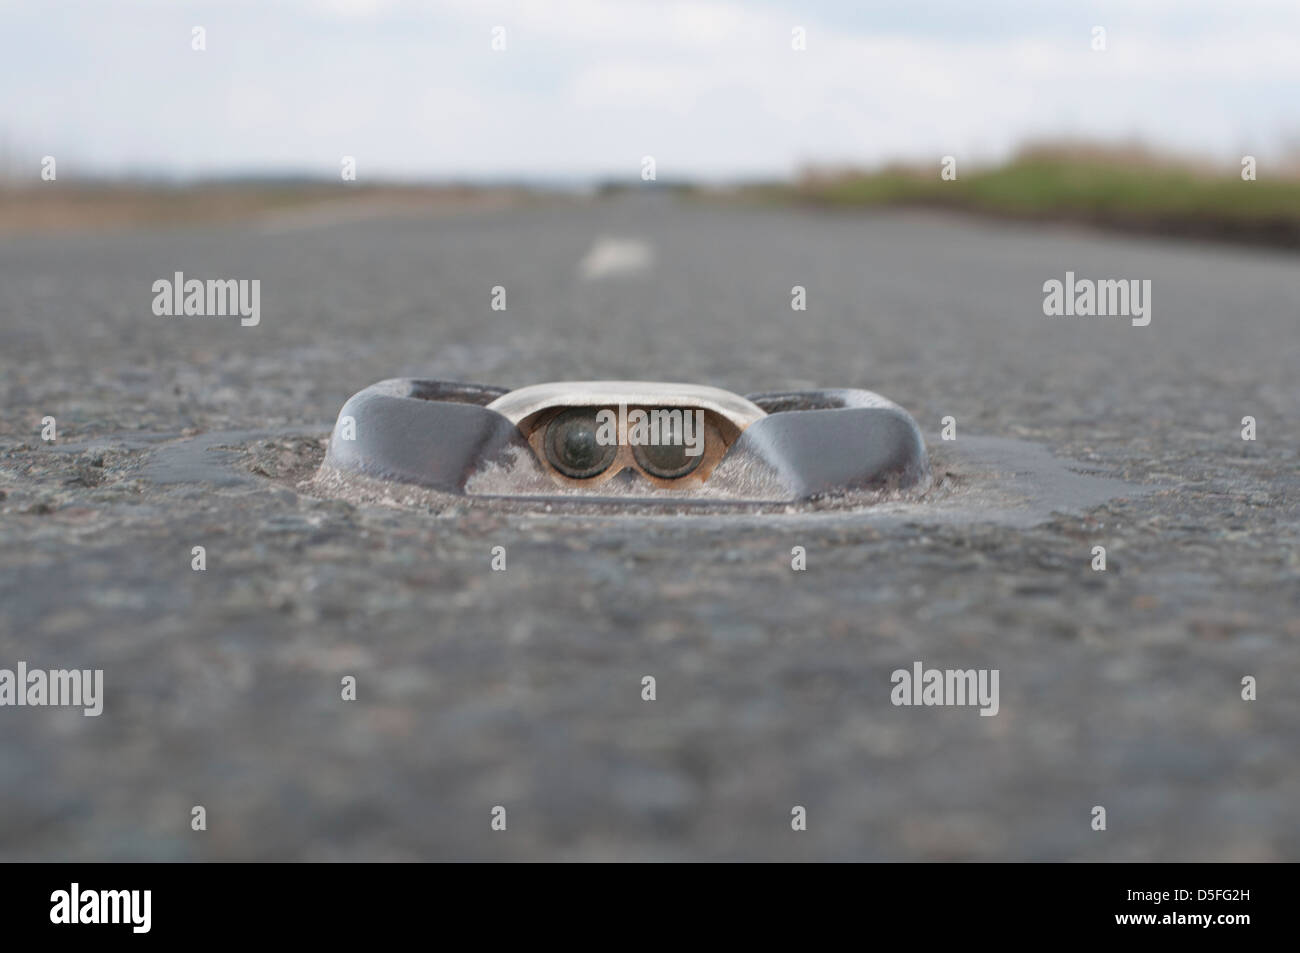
(523, 688)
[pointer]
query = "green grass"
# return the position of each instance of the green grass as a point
(1122, 192)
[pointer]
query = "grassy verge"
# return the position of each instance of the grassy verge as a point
(88, 207)
(1126, 192)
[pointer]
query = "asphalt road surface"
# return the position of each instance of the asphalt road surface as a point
(523, 689)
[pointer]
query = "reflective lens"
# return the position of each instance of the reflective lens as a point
(571, 444)
(668, 459)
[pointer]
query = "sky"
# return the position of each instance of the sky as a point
(585, 89)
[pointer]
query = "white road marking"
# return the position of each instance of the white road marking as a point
(616, 258)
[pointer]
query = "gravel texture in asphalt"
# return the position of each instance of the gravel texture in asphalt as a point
(524, 688)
